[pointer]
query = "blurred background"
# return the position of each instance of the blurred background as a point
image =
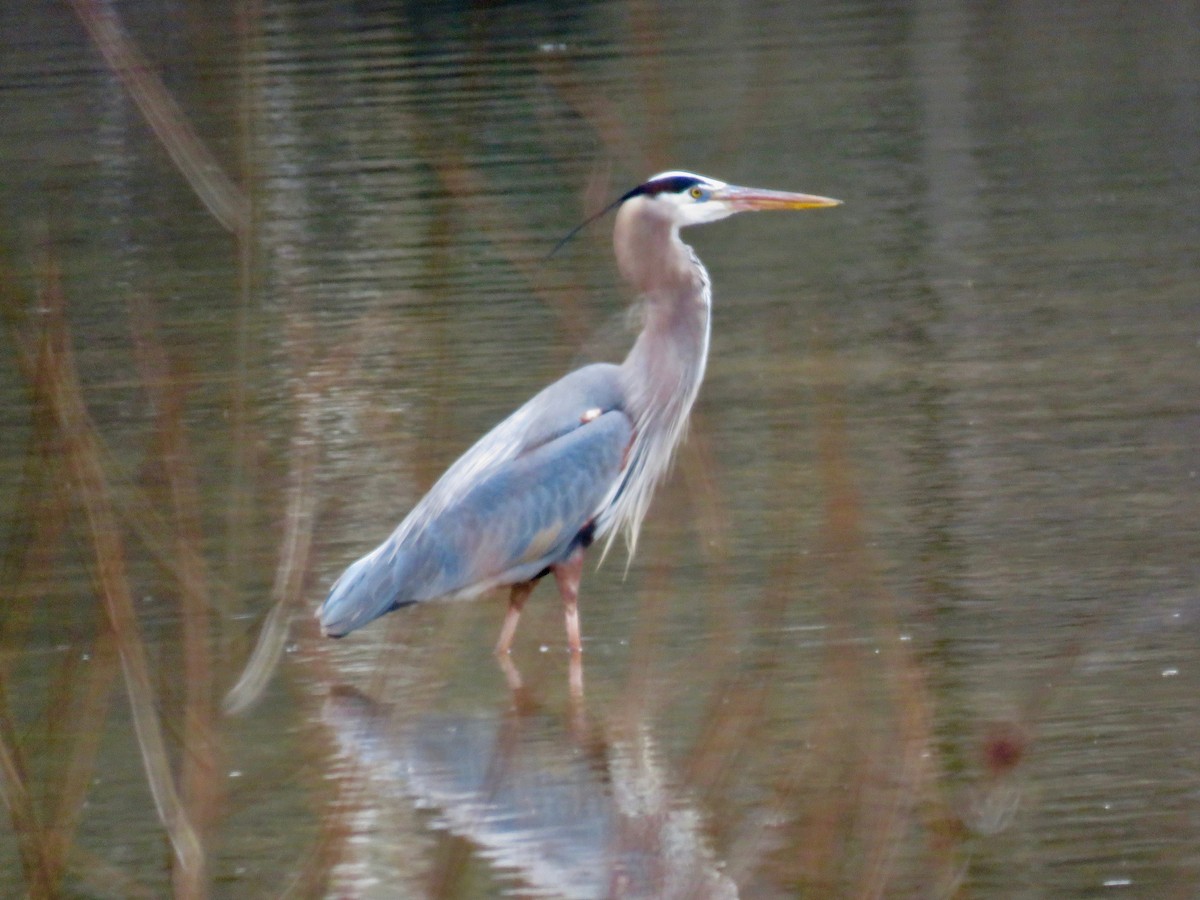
(915, 615)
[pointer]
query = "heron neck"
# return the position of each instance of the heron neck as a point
(666, 364)
(662, 373)
(663, 369)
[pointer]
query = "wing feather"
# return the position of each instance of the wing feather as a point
(551, 413)
(512, 505)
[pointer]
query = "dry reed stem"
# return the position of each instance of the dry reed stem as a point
(199, 781)
(914, 768)
(106, 880)
(35, 535)
(878, 835)
(34, 540)
(496, 221)
(292, 568)
(135, 510)
(263, 661)
(732, 738)
(853, 798)
(43, 510)
(499, 225)
(755, 100)
(286, 594)
(895, 769)
(311, 878)
(33, 842)
(87, 721)
(247, 19)
(133, 507)
(83, 455)
(819, 792)
(192, 158)
(598, 110)
(312, 381)
(645, 32)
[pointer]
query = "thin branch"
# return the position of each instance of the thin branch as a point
(83, 457)
(224, 199)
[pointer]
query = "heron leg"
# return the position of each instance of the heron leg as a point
(516, 601)
(512, 676)
(568, 574)
(575, 677)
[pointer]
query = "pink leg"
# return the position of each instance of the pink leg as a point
(516, 601)
(512, 677)
(575, 676)
(567, 574)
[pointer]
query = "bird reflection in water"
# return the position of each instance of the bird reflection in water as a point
(558, 807)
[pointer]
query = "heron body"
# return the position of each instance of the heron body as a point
(580, 460)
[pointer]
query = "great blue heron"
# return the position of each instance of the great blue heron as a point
(579, 461)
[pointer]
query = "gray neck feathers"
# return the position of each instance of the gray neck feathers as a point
(662, 373)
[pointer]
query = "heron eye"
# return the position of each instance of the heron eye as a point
(698, 193)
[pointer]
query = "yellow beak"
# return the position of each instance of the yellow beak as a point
(744, 199)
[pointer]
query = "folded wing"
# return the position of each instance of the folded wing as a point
(517, 502)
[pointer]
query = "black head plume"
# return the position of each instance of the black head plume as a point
(666, 183)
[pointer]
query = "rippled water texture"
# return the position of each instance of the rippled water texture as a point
(915, 615)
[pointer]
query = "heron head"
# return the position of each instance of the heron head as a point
(684, 198)
(690, 199)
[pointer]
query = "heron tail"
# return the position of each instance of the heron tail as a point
(367, 590)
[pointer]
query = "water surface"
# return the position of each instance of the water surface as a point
(916, 613)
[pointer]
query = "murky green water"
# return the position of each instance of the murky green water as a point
(916, 614)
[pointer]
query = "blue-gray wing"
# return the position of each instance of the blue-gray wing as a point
(519, 501)
(555, 411)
